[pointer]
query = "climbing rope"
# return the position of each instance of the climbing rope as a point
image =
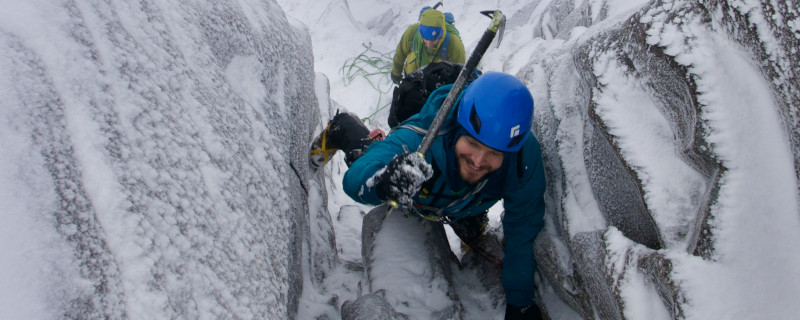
(375, 67)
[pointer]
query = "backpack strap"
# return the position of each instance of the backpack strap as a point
(443, 47)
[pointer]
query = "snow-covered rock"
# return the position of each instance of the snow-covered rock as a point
(155, 160)
(671, 136)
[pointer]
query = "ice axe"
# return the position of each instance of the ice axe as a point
(500, 28)
(496, 26)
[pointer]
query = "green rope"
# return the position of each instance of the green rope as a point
(375, 67)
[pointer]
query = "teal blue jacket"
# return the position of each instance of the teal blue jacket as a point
(520, 183)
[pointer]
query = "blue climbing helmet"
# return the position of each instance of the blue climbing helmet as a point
(497, 109)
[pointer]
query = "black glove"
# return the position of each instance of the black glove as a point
(402, 178)
(530, 312)
(396, 79)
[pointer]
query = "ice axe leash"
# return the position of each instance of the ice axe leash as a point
(496, 26)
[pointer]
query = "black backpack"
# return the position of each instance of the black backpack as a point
(409, 97)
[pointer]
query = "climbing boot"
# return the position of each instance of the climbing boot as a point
(344, 132)
(470, 229)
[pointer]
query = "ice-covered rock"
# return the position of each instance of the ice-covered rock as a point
(644, 117)
(155, 160)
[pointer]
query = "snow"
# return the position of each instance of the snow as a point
(758, 204)
(642, 302)
(174, 157)
(398, 246)
(645, 135)
(20, 234)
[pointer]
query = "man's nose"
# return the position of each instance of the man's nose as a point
(479, 157)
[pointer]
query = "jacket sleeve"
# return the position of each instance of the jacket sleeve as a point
(356, 181)
(455, 51)
(523, 220)
(403, 49)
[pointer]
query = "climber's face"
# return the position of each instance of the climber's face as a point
(430, 44)
(475, 160)
(430, 35)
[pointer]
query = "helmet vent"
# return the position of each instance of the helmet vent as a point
(474, 120)
(516, 140)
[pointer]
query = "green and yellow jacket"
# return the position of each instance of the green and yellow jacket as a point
(411, 53)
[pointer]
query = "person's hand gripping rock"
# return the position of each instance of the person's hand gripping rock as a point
(402, 178)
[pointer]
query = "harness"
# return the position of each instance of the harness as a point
(437, 214)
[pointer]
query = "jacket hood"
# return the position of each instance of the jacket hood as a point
(433, 18)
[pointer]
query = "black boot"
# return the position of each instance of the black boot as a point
(469, 229)
(344, 132)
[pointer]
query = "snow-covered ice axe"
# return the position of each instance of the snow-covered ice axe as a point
(496, 26)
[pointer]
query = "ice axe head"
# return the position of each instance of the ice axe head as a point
(498, 25)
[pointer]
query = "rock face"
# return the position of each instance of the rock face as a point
(370, 306)
(161, 157)
(611, 100)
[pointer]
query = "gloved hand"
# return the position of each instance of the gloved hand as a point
(402, 178)
(395, 78)
(530, 312)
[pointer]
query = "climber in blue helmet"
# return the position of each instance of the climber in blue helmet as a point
(484, 153)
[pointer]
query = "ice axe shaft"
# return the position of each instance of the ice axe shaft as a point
(498, 24)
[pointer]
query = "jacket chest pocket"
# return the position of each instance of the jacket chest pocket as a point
(411, 63)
